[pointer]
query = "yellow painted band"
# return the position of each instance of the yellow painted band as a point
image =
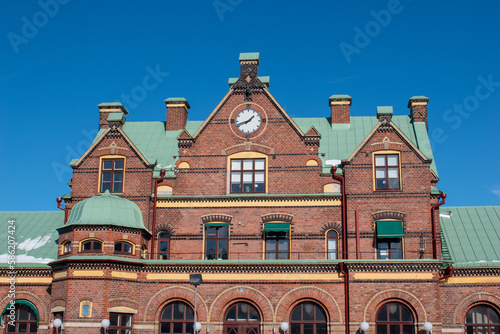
(249, 277)
(248, 204)
(393, 276)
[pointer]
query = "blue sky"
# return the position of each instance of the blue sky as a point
(60, 58)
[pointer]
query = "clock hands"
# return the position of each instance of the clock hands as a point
(245, 122)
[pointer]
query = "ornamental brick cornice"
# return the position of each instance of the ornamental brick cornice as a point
(474, 272)
(26, 272)
(394, 267)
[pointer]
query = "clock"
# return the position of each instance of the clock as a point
(248, 121)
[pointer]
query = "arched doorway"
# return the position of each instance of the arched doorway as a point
(242, 318)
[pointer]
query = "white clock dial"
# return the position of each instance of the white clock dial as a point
(248, 121)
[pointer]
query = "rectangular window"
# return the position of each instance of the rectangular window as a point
(120, 323)
(387, 172)
(216, 242)
(389, 249)
(248, 175)
(112, 175)
(277, 245)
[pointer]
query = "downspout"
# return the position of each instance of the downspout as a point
(449, 269)
(162, 177)
(344, 212)
(433, 222)
(343, 270)
(358, 241)
(59, 201)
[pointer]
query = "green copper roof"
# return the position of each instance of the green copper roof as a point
(110, 104)
(115, 116)
(106, 209)
(384, 110)
(249, 56)
(471, 235)
(340, 97)
(35, 234)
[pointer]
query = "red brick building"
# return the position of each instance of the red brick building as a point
(313, 224)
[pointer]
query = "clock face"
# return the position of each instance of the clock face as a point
(248, 121)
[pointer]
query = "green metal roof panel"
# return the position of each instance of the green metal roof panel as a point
(106, 209)
(472, 235)
(110, 104)
(249, 56)
(115, 116)
(176, 99)
(35, 234)
(384, 110)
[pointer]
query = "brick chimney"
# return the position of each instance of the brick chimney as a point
(249, 65)
(177, 113)
(111, 113)
(418, 109)
(341, 108)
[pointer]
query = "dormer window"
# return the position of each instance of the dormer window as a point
(66, 247)
(387, 172)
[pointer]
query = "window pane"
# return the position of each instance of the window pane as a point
(22, 327)
(320, 328)
(494, 318)
(394, 329)
(381, 329)
(381, 184)
(247, 164)
(320, 314)
(118, 247)
(392, 160)
(178, 309)
(164, 246)
(107, 164)
(189, 327)
(294, 328)
(167, 313)
(119, 164)
(296, 314)
(308, 312)
(259, 164)
(253, 314)
(177, 327)
(308, 328)
(23, 313)
(126, 320)
(481, 314)
(407, 329)
(211, 232)
(117, 187)
(235, 187)
(469, 318)
(32, 328)
(97, 246)
(235, 177)
(242, 311)
(382, 314)
(247, 177)
(118, 177)
(393, 173)
(231, 314)
(127, 248)
(405, 314)
(189, 313)
(236, 164)
(259, 177)
(106, 186)
(393, 309)
(113, 319)
(86, 245)
(379, 173)
(223, 232)
(380, 160)
(393, 183)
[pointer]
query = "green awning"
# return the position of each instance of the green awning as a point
(277, 227)
(216, 224)
(390, 229)
(22, 302)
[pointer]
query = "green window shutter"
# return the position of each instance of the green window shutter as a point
(277, 227)
(216, 224)
(390, 229)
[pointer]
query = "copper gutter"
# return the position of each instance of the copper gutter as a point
(344, 212)
(433, 222)
(162, 177)
(59, 201)
(342, 266)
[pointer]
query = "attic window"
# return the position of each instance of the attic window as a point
(112, 175)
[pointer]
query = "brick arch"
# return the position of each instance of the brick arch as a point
(320, 296)
(37, 301)
(394, 295)
(467, 302)
(164, 227)
(332, 226)
(123, 302)
(241, 293)
(171, 293)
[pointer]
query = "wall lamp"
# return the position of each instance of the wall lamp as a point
(58, 324)
(363, 327)
(105, 325)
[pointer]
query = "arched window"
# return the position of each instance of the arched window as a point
(26, 319)
(123, 247)
(242, 318)
(395, 317)
(482, 319)
(177, 317)
(91, 246)
(331, 244)
(66, 247)
(164, 245)
(308, 318)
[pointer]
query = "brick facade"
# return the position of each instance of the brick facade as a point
(296, 174)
